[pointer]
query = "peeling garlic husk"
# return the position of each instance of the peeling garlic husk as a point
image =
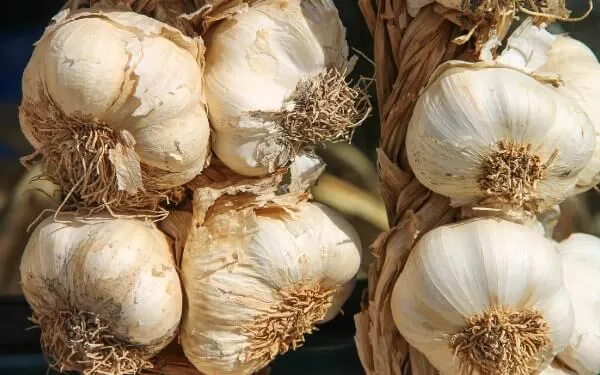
(258, 279)
(579, 73)
(487, 22)
(580, 255)
(113, 128)
(275, 83)
(490, 135)
(105, 292)
(461, 278)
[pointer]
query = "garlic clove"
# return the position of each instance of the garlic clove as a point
(178, 152)
(580, 254)
(247, 152)
(105, 292)
(461, 278)
(85, 77)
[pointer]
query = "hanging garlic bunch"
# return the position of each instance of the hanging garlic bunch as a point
(489, 135)
(258, 279)
(113, 102)
(105, 292)
(580, 255)
(579, 73)
(275, 83)
(484, 297)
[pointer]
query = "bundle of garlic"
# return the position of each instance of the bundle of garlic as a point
(276, 84)
(484, 297)
(104, 291)
(580, 255)
(259, 276)
(113, 102)
(491, 135)
(487, 136)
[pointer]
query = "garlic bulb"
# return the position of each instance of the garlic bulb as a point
(483, 297)
(580, 255)
(275, 83)
(113, 128)
(105, 292)
(579, 73)
(492, 136)
(258, 280)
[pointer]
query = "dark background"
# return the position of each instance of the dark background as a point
(331, 351)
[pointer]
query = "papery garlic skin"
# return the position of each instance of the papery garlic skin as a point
(475, 118)
(579, 72)
(556, 369)
(247, 274)
(119, 271)
(580, 255)
(104, 74)
(254, 63)
(339, 300)
(482, 266)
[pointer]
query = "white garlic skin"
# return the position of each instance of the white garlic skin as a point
(254, 61)
(339, 300)
(557, 369)
(460, 118)
(118, 269)
(579, 72)
(229, 287)
(133, 73)
(580, 255)
(456, 271)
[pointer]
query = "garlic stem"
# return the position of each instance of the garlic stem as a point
(350, 200)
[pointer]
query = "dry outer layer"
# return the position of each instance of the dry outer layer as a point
(510, 174)
(501, 342)
(284, 327)
(324, 108)
(82, 342)
(95, 166)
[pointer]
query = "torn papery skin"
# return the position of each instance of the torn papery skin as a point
(122, 138)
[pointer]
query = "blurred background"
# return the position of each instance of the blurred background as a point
(350, 185)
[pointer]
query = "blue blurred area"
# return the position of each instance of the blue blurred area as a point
(16, 47)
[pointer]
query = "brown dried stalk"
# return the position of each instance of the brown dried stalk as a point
(406, 52)
(191, 17)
